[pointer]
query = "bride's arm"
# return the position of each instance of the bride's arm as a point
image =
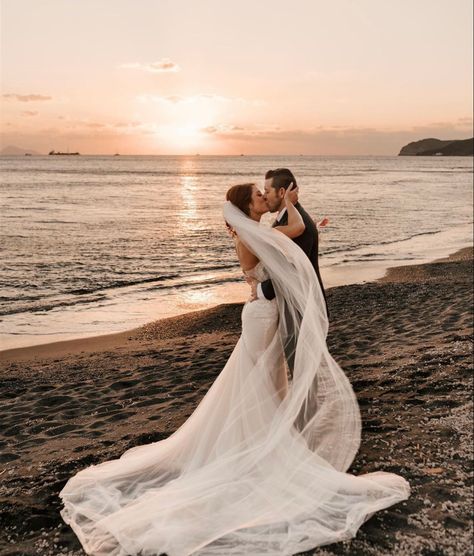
(295, 226)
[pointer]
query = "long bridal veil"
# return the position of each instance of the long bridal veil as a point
(248, 473)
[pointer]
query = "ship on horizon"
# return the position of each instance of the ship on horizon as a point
(58, 152)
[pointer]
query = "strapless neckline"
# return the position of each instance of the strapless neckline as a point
(258, 272)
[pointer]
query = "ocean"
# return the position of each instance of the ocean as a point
(99, 244)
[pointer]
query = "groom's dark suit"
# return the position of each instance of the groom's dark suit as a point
(308, 241)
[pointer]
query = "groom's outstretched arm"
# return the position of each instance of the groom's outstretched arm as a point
(266, 288)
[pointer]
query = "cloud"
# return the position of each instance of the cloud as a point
(165, 65)
(178, 99)
(436, 125)
(26, 98)
(79, 127)
(127, 124)
(212, 97)
(466, 121)
(173, 98)
(30, 113)
(135, 135)
(330, 139)
(86, 124)
(212, 129)
(95, 125)
(237, 132)
(135, 127)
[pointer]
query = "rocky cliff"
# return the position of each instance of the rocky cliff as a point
(433, 147)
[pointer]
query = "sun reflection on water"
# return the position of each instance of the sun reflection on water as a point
(198, 296)
(188, 213)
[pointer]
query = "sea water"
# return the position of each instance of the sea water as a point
(97, 244)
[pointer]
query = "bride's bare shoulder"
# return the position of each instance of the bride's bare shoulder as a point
(247, 259)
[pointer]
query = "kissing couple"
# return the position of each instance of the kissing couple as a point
(261, 465)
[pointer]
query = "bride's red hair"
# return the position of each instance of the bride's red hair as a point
(240, 195)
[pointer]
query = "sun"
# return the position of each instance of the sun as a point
(189, 133)
(182, 138)
(182, 127)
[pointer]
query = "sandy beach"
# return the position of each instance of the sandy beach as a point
(405, 342)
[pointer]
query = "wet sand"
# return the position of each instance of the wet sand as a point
(405, 342)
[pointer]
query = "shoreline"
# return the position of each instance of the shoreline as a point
(125, 309)
(404, 342)
(117, 340)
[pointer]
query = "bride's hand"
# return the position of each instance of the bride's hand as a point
(291, 195)
(232, 232)
(324, 222)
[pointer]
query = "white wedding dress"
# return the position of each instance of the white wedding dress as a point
(259, 467)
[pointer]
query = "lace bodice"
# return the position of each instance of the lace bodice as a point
(258, 272)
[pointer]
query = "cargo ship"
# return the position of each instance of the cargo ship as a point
(58, 152)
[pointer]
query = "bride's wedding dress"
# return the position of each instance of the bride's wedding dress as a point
(259, 468)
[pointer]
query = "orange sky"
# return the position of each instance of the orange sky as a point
(230, 77)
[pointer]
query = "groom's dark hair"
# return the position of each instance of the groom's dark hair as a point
(282, 177)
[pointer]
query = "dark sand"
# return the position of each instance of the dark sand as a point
(404, 341)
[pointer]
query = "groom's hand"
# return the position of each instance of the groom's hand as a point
(293, 194)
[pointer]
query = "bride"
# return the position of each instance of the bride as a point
(260, 466)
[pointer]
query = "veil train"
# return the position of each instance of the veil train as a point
(247, 473)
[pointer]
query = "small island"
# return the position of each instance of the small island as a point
(11, 150)
(438, 147)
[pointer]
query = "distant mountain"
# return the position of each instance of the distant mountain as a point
(434, 147)
(11, 150)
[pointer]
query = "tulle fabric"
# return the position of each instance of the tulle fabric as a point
(250, 472)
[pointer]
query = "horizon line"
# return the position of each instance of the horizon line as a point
(197, 154)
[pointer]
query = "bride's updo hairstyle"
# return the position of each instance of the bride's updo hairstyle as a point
(241, 196)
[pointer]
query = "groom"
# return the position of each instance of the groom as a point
(276, 183)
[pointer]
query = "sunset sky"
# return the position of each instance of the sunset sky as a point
(231, 77)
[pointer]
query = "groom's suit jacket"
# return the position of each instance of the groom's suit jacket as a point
(308, 241)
